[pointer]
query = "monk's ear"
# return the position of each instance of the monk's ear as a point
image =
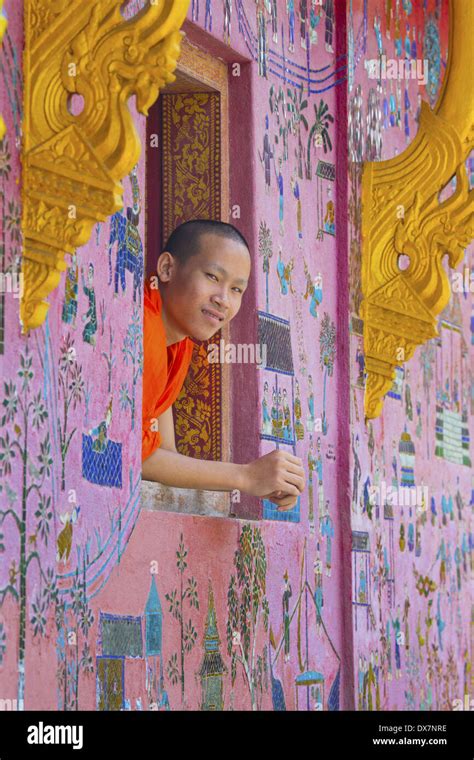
(165, 266)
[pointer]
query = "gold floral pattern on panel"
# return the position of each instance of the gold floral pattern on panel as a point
(191, 190)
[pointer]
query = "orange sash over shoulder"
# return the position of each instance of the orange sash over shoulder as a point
(164, 369)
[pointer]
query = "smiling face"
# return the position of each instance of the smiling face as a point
(202, 294)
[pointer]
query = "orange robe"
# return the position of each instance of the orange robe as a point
(164, 369)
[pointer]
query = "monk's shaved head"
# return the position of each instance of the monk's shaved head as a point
(185, 241)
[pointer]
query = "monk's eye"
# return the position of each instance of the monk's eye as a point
(239, 290)
(209, 274)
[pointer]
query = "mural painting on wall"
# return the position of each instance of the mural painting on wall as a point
(60, 557)
(71, 405)
(400, 510)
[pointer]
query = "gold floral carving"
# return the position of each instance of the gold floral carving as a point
(192, 180)
(75, 154)
(402, 215)
(3, 26)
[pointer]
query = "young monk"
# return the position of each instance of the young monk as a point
(201, 277)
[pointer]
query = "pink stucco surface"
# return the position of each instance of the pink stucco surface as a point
(429, 667)
(119, 553)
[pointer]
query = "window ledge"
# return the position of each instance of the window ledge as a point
(156, 497)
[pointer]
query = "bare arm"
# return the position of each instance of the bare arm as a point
(277, 475)
(173, 469)
(169, 467)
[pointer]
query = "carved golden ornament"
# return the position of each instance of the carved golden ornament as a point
(3, 26)
(402, 214)
(73, 164)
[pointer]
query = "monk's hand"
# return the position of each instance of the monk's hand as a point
(276, 472)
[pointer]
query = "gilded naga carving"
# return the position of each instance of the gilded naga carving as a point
(83, 55)
(403, 217)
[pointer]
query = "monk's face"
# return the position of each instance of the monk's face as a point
(201, 295)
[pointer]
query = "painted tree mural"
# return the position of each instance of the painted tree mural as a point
(26, 413)
(278, 106)
(327, 353)
(74, 619)
(265, 249)
(71, 392)
(188, 633)
(110, 360)
(132, 351)
(297, 104)
(319, 132)
(247, 609)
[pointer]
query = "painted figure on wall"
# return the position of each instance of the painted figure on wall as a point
(360, 360)
(296, 193)
(314, 291)
(303, 19)
(327, 530)
(329, 25)
(284, 274)
(277, 421)
(318, 584)
(279, 179)
(267, 420)
(329, 218)
(266, 157)
(64, 539)
(290, 7)
(90, 317)
(442, 557)
(287, 429)
(394, 465)
(401, 540)
(398, 636)
(299, 427)
(312, 464)
(362, 584)
(124, 231)
(314, 19)
(419, 423)
(99, 433)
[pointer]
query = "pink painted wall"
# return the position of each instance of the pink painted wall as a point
(417, 639)
(118, 554)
